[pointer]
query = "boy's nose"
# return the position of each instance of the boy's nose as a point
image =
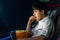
(33, 14)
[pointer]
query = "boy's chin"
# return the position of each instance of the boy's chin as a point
(36, 20)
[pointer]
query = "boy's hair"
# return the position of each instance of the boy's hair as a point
(40, 6)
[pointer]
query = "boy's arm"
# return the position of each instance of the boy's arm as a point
(35, 38)
(31, 19)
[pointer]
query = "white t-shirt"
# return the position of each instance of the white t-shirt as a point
(43, 27)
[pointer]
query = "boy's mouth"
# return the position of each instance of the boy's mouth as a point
(35, 16)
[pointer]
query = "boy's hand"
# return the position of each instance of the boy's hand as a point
(31, 19)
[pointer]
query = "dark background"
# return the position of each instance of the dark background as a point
(14, 14)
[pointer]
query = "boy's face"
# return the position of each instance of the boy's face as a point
(38, 14)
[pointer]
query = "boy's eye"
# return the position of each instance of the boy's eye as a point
(35, 11)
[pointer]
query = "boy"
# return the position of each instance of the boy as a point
(44, 27)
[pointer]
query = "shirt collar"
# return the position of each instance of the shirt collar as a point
(44, 19)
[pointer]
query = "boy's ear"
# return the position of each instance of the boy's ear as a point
(42, 11)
